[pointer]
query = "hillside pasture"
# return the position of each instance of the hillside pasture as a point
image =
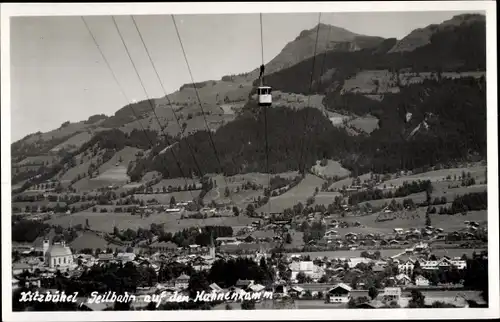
(164, 198)
(175, 182)
(326, 198)
(412, 219)
(477, 172)
(299, 193)
(39, 159)
(332, 168)
(243, 197)
(384, 81)
(338, 185)
(296, 101)
(80, 168)
(441, 189)
(60, 132)
(91, 240)
(211, 92)
(105, 222)
(75, 141)
(367, 123)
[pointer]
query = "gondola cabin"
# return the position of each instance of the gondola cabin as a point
(265, 97)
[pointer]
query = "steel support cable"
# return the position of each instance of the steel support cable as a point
(265, 120)
(114, 77)
(166, 95)
(150, 102)
(301, 165)
(201, 107)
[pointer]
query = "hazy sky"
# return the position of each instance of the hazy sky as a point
(58, 74)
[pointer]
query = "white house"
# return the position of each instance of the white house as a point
(403, 279)
(391, 294)
(340, 293)
(125, 257)
(406, 267)
(182, 282)
(421, 281)
(307, 268)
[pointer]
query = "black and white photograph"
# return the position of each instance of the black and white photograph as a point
(249, 160)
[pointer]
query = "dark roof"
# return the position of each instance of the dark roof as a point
(243, 282)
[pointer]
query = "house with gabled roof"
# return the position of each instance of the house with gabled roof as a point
(340, 293)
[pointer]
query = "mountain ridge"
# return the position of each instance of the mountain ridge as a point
(354, 83)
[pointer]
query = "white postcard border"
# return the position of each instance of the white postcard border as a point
(61, 9)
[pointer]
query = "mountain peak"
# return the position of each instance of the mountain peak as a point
(329, 38)
(422, 36)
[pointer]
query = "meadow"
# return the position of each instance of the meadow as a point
(105, 222)
(299, 193)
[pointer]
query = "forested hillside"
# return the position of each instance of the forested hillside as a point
(435, 120)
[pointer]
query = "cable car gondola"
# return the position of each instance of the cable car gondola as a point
(265, 97)
(264, 92)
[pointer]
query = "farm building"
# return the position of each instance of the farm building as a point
(163, 246)
(340, 293)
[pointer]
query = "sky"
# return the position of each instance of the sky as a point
(58, 75)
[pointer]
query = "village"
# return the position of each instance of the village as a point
(370, 280)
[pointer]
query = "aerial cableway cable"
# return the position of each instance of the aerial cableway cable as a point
(265, 117)
(201, 107)
(151, 104)
(304, 137)
(200, 173)
(115, 78)
(118, 83)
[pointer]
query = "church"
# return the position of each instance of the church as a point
(57, 255)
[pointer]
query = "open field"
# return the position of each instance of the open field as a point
(72, 128)
(413, 219)
(477, 172)
(326, 198)
(299, 193)
(333, 168)
(45, 159)
(176, 182)
(243, 197)
(164, 198)
(106, 221)
(91, 240)
(441, 190)
(384, 81)
(347, 182)
(365, 123)
(114, 171)
(297, 101)
(416, 197)
(80, 168)
(75, 141)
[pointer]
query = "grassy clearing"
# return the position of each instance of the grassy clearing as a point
(75, 141)
(299, 193)
(413, 219)
(72, 128)
(383, 81)
(50, 159)
(333, 168)
(164, 198)
(347, 182)
(243, 197)
(172, 222)
(176, 182)
(477, 172)
(326, 198)
(80, 168)
(366, 123)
